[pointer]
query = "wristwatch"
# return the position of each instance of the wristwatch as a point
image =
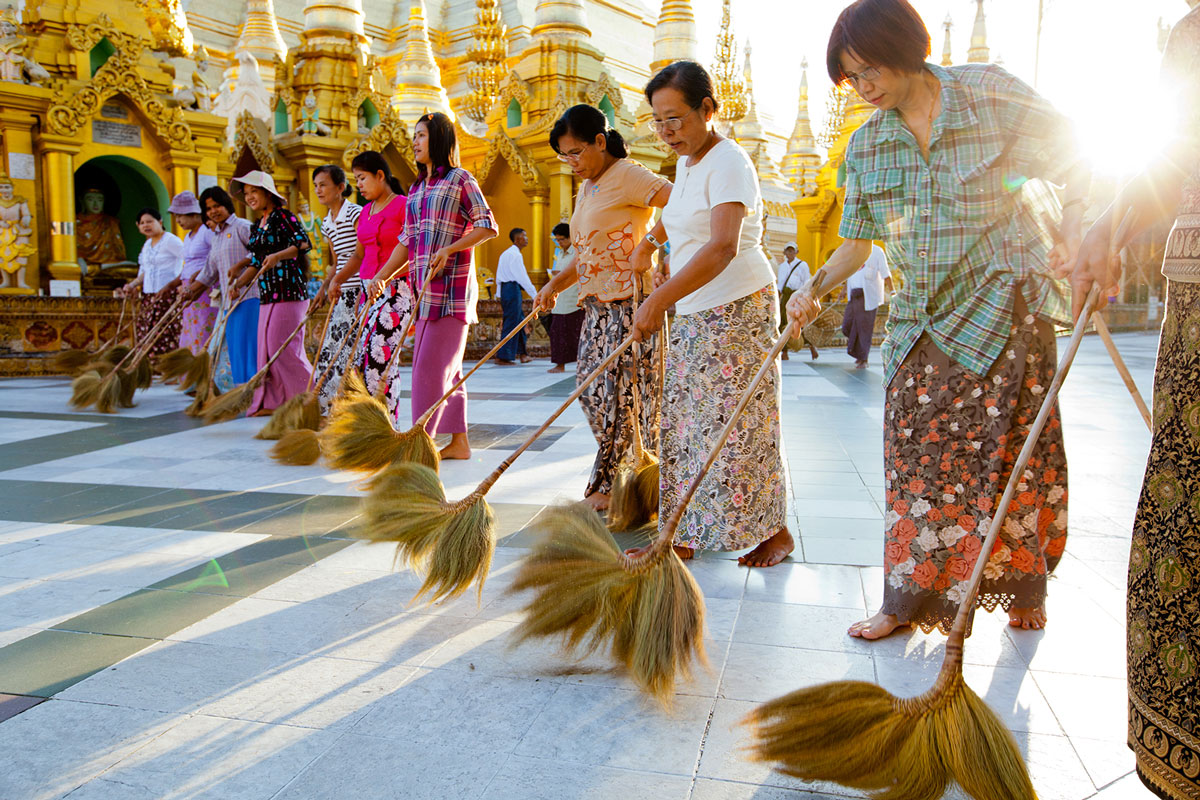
(657, 244)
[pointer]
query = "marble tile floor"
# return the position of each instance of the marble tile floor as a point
(182, 617)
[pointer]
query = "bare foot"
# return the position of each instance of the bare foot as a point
(557, 368)
(597, 500)
(1031, 619)
(526, 359)
(684, 553)
(877, 627)
(459, 448)
(263, 412)
(503, 362)
(815, 354)
(770, 551)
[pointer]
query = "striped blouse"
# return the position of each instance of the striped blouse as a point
(340, 234)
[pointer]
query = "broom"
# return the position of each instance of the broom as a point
(647, 603)
(634, 500)
(75, 360)
(360, 435)
(105, 391)
(451, 542)
(235, 402)
(205, 383)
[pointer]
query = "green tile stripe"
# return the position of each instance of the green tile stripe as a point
(116, 431)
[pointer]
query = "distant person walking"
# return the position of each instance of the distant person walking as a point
(864, 293)
(566, 318)
(512, 278)
(793, 275)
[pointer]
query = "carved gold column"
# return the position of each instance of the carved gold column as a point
(537, 237)
(562, 190)
(183, 166)
(58, 165)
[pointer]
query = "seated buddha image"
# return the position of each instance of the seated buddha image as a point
(98, 234)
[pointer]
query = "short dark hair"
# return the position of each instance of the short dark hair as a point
(218, 196)
(373, 162)
(691, 79)
(585, 123)
(148, 210)
(561, 229)
(443, 141)
(882, 33)
(512, 235)
(337, 176)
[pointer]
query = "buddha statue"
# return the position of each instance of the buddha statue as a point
(97, 234)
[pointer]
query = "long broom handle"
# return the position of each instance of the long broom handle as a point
(639, 447)
(360, 320)
(324, 330)
(423, 420)
(267, 366)
(120, 324)
(160, 327)
(659, 546)
(1119, 363)
(394, 358)
(490, 480)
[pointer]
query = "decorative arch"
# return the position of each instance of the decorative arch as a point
(603, 88)
(503, 147)
(99, 54)
(72, 108)
(251, 134)
(610, 113)
(390, 130)
(514, 115)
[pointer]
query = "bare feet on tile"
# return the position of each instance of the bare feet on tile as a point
(770, 551)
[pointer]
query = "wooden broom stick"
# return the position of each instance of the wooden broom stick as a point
(1119, 363)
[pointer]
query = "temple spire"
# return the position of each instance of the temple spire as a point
(334, 21)
(560, 19)
(260, 34)
(947, 52)
(674, 34)
(487, 55)
(979, 53)
(418, 79)
(728, 83)
(802, 159)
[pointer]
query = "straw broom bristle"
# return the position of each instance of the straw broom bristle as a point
(128, 387)
(204, 393)
(634, 499)
(452, 543)
(70, 362)
(298, 412)
(859, 735)
(230, 405)
(175, 364)
(198, 374)
(113, 387)
(143, 373)
(114, 354)
(359, 436)
(85, 389)
(654, 615)
(297, 448)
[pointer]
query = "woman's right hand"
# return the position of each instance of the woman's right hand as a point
(661, 276)
(545, 299)
(803, 308)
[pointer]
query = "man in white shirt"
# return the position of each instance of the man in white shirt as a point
(512, 278)
(865, 292)
(792, 276)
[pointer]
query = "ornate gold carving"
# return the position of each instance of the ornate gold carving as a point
(605, 85)
(168, 25)
(390, 130)
(486, 56)
(504, 147)
(516, 88)
(370, 79)
(73, 107)
(824, 209)
(253, 134)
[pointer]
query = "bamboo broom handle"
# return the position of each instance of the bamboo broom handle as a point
(120, 324)
(394, 358)
(267, 366)
(324, 330)
(360, 320)
(222, 325)
(490, 480)
(423, 420)
(659, 546)
(639, 447)
(1119, 363)
(139, 351)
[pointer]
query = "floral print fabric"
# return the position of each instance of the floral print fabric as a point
(150, 311)
(342, 317)
(712, 357)
(387, 323)
(1164, 567)
(950, 439)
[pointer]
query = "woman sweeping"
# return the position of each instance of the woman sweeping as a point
(340, 229)
(613, 212)
(199, 314)
(726, 318)
(446, 217)
(1164, 560)
(230, 255)
(950, 172)
(387, 290)
(159, 265)
(277, 247)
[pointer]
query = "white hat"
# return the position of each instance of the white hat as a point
(257, 178)
(791, 245)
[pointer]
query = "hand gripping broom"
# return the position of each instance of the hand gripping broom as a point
(859, 735)
(360, 435)
(303, 411)
(235, 402)
(646, 603)
(634, 501)
(452, 542)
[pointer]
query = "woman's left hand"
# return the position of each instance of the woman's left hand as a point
(648, 319)
(438, 261)
(1066, 251)
(270, 260)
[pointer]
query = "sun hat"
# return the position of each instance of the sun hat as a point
(257, 178)
(184, 203)
(791, 245)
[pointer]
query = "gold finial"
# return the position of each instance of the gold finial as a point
(979, 53)
(727, 78)
(947, 52)
(487, 55)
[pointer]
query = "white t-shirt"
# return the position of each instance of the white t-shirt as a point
(795, 273)
(869, 278)
(724, 175)
(161, 263)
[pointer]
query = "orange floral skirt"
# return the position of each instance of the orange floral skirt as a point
(950, 439)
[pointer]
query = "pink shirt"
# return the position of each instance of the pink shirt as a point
(378, 233)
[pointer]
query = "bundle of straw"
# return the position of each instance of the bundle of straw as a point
(634, 500)
(859, 735)
(451, 542)
(116, 387)
(646, 603)
(235, 402)
(360, 435)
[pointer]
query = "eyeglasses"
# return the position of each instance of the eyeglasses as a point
(670, 123)
(571, 158)
(868, 75)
